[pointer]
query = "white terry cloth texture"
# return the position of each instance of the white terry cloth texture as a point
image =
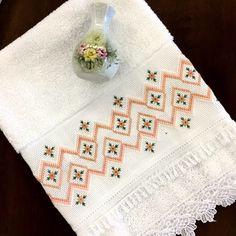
(147, 153)
(48, 47)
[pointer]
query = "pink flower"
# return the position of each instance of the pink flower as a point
(82, 48)
(102, 53)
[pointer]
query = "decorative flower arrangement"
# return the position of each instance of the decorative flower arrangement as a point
(95, 52)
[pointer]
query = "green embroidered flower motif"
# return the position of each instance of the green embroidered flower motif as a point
(49, 151)
(115, 172)
(52, 175)
(185, 122)
(78, 175)
(146, 124)
(121, 124)
(190, 73)
(181, 98)
(112, 148)
(118, 101)
(149, 147)
(87, 149)
(81, 200)
(84, 125)
(152, 76)
(155, 99)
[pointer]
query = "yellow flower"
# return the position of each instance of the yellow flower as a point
(90, 54)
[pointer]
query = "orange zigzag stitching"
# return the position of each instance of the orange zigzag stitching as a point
(136, 146)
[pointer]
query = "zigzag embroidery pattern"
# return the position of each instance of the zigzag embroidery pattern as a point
(62, 151)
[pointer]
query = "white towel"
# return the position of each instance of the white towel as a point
(138, 155)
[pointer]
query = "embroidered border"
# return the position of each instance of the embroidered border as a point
(124, 129)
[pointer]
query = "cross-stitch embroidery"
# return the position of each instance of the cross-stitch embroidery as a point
(81, 200)
(152, 76)
(84, 125)
(49, 151)
(52, 175)
(118, 101)
(185, 122)
(115, 172)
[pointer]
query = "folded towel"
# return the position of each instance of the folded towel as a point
(147, 153)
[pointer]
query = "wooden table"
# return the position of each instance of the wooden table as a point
(205, 30)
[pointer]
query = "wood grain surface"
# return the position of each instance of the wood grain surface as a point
(205, 30)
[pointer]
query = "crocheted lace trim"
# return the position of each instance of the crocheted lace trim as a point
(181, 219)
(200, 207)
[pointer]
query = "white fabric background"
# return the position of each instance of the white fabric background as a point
(42, 103)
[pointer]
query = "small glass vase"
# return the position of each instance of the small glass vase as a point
(94, 58)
